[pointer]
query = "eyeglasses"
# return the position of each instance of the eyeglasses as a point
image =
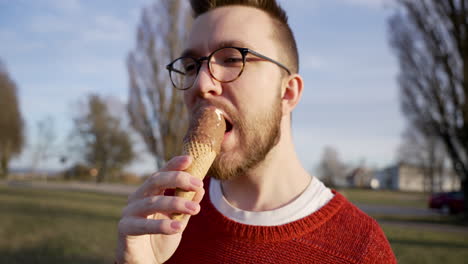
(224, 64)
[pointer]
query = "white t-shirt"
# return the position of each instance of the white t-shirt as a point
(312, 199)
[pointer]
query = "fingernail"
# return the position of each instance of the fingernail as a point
(191, 206)
(176, 225)
(197, 182)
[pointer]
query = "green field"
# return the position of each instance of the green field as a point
(39, 226)
(384, 197)
(420, 247)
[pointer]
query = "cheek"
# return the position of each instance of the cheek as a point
(256, 92)
(188, 98)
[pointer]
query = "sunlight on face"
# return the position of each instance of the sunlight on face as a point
(259, 134)
(252, 102)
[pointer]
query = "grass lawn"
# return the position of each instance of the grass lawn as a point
(422, 246)
(384, 197)
(39, 226)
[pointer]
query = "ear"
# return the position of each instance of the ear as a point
(291, 93)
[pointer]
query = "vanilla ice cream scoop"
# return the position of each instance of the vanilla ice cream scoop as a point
(203, 143)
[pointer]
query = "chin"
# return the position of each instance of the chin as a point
(226, 166)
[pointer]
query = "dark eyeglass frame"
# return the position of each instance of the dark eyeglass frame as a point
(199, 62)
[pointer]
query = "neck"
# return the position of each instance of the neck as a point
(275, 182)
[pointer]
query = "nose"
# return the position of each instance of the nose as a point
(205, 85)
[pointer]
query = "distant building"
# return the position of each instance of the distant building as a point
(360, 177)
(407, 177)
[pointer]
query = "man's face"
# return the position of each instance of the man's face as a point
(252, 103)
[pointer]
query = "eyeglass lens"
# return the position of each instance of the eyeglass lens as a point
(225, 65)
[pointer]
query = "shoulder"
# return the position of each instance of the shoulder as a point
(358, 234)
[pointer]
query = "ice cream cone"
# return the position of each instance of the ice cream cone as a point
(202, 143)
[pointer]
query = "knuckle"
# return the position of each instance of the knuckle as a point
(155, 175)
(151, 201)
(156, 181)
(181, 178)
(155, 178)
(163, 228)
(177, 203)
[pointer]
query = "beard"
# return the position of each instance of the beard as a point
(258, 135)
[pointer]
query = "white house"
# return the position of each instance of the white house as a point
(407, 177)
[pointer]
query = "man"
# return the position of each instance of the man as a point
(261, 205)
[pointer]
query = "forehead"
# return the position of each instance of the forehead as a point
(231, 25)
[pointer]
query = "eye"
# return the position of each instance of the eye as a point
(185, 66)
(189, 67)
(232, 60)
(227, 57)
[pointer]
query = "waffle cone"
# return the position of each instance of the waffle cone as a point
(202, 142)
(203, 156)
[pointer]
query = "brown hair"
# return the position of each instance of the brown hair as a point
(273, 9)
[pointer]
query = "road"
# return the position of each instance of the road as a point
(396, 210)
(121, 189)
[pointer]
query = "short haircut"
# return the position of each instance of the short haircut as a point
(282, 30)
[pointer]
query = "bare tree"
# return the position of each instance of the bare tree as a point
(43, 148)
(11, 121)
(430, 38)
(157, 110)
(331, 170)
(106, 145)
(426, 151)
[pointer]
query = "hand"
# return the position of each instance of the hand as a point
(146, 232)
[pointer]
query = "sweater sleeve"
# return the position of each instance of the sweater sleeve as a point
(379, 250)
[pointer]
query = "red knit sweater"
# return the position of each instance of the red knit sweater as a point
(337, 233)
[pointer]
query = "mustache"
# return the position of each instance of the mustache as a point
(227, 110)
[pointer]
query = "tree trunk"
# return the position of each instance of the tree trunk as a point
(3, 167)
(101, 174)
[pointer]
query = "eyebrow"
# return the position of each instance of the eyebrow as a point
(222, 44)
(232, 43)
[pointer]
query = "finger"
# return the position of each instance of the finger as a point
(199, 195)
(161, 204)
(156, 184)
(178, 163)
(133, 226)
(185, 217)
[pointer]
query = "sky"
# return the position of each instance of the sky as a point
(58, 51)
